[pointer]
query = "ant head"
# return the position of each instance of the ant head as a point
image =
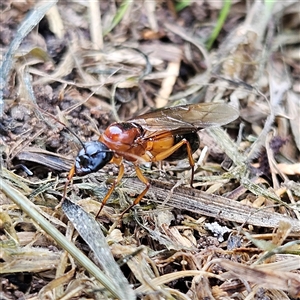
(92, 157)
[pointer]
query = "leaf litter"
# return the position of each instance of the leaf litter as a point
(86, 64)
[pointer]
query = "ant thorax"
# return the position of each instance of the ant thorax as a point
(125, 139)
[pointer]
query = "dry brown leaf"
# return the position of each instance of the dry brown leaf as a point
(167, 84)
(289, 169)
(274, 279)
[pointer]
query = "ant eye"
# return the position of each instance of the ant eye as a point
(83, 160)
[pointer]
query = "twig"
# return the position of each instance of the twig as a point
(211, 205)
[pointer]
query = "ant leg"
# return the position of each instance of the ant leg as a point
(144, 180)
(159, 157)
(165, 154)
(116, 181)
(69, 178)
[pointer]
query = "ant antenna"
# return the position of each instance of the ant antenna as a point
(63, 124)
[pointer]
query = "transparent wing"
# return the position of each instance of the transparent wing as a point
(185, 118)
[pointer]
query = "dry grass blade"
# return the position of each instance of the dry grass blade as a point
(154, 283)
(211, 205)
(55, 22)
(91, 232)
(26, 259)
(29, 208)
(276, 279)
(46, 158)
(96, 27)
(32, 20)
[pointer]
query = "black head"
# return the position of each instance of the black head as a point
(93, 157)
